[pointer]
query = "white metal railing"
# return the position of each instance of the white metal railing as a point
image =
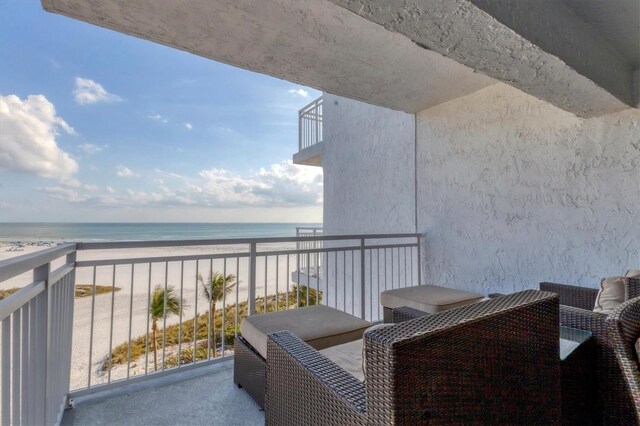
(310, 124)
(113, 332)
(36, 338)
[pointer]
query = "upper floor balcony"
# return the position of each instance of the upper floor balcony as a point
(310, 135)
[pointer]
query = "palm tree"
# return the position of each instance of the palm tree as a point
(214, 290)
(162, 303)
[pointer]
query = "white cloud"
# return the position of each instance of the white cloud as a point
(158, 118)
(188, 126)
(90, 187)
(64, 194)
(91, 149)
(299, 92)
(30, 128)
(124, 171)
(88, 92)
(281, 185)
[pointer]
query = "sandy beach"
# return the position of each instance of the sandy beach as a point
(129, 305)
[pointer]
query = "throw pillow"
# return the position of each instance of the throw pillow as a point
(612, 294)
(632, 273)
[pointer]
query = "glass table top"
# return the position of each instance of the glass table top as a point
(571, 339)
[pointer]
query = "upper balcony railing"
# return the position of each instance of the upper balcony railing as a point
(310, 125)
(91, 316)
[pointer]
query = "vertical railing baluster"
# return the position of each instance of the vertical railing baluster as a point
(371, 285)
(16, 365)
(335, 267)
(30, 410)
(24, 404)
(5, 389)
(146, 338)
(113, 295)
(237, 295)
(209, 284)
(419, 262)
(180, 313)
(277, 280)
(362, 280)
(224, 306)
(288, 282)
(309, 280)
(252, 280)
(43, 344)
(164, 313)
(353, 283)
(133, 266)
(195, 315)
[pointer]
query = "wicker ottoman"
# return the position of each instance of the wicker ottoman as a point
(430, 299)
(320, 326)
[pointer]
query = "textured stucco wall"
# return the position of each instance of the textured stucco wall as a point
(513, 191)
(368, 163)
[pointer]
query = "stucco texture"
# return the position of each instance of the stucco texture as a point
(368, 164)
(513, 191)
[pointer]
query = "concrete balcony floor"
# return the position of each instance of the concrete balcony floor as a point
(200, 396)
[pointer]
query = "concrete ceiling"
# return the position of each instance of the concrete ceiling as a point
(403, 54)
(311, 42)
(540, 47)
(617, 21)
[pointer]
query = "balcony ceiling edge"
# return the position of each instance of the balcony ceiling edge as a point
(311, 42)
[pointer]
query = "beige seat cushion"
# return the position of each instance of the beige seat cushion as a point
(632, 273)
(350, 356)
(428, 298)
(347, 356)
(612, 293)
(320, 326)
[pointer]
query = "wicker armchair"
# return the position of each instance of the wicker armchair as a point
(576, 311)
(495, 362)
(624, 329)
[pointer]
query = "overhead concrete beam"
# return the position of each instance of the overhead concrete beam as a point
(540, 47)
(312, 42)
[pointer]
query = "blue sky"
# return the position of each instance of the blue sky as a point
(99, 126)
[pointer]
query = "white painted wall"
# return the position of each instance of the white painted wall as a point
(368, 164)
(513, 191)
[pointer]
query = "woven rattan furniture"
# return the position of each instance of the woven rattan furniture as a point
(495, 362)
(320, 326)
(624, 330)
(426, 298)
(576, 311)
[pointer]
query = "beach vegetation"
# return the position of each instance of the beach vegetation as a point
(214, 290)
(164, 303)
(184, 332)
(86, 290)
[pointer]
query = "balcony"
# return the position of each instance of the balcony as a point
(310, 135)
(87, 340)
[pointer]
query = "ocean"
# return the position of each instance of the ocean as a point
(73, 232)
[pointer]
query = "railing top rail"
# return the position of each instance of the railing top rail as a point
(233, 241)
(27, 262)
(311, 105)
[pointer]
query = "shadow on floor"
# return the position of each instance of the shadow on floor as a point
(205, 395)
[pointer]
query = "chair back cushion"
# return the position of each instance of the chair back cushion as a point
(611, 295)
(632, 273)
